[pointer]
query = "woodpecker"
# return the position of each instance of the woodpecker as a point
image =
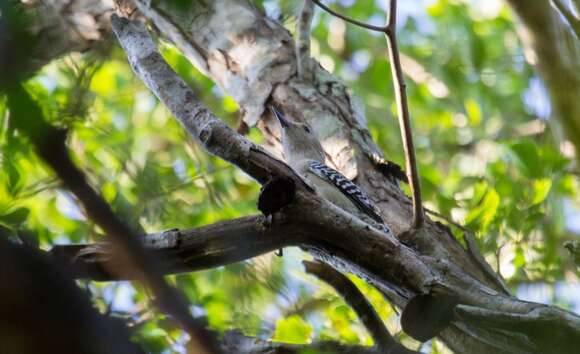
(304, 153)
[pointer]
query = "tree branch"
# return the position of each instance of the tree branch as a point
(563, 335)
(402, 105)
(355, 299)
(235, 342)
(205, 247)
(303, 40)
(404, 117)
(50, 145)
(475, 253)
(348, 19)
(573, 21)
(209, 131)
(308, 209)
(382, 259)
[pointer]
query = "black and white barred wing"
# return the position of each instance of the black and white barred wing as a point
(349, 189)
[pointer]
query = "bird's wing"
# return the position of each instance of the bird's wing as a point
(349, 189)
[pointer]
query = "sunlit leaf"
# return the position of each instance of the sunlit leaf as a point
(541, 189)
(292, 330)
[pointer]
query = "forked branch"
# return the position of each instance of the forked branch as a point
(402, 105)
(404, 116)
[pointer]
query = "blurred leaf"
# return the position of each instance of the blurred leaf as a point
(528, 158)
(292, 330)
(541, 189)
(473, 112)
(15, 217)
(486, 211)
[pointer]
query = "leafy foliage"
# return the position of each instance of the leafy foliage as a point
(489, 156)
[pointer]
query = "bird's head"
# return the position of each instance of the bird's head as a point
(299, 140)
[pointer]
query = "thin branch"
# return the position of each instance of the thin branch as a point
(476, 255)
(51, 147)
(404, 117)
(303, 39)
(348, 19)
(446, 219)
(402, 105)
(355, 299)
(572, 20)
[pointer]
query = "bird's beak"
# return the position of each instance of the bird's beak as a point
(278, 113)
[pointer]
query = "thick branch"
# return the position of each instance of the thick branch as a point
(355, 299)
(189, 250)
(209, 131)
(563, 335)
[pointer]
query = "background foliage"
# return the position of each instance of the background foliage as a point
(489, 157)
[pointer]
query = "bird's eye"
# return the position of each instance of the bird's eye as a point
(307, 129)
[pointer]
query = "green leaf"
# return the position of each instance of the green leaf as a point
(473, 112)
(528, 158)
(541, 189)
(16, 217)
(292, 330)
(486, 211)
(519, 258)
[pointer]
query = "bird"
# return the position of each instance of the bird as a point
(304, 153)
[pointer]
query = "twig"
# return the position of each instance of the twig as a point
(403, 115)
(475, 253)
(303, 40)
(50, 145)
(447, 219)
(402, 106)
(572, 20)
(348, 19)
(355, 299)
